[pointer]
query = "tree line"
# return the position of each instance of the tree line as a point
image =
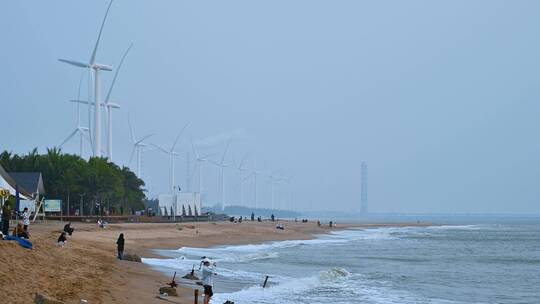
(100, 185)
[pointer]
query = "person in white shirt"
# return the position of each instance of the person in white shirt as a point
(26, 219)
(208, 273)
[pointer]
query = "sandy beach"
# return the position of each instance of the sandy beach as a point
(87, 268)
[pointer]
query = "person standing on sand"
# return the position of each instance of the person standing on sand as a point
(208, 279)
(26, 220)
(120, 246)
(6, 216)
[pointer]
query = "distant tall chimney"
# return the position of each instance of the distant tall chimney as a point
(363, 198)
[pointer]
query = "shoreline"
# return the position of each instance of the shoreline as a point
(299, 231)
(87, 268)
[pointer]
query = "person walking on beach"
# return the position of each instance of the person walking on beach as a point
(26, 220)
(120, 246)
(208, 279)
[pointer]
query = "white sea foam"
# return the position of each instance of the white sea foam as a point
(288, 291)
(322, 288)
(457, 227)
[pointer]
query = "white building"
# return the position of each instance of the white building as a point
(181, 204)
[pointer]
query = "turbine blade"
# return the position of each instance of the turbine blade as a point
(75, 63)
(113, 105)
(178, 136)
(146, 137)
(131, 130)
(208, 155)
(93, 58)
(132, 154)
(225, 152)
(81, 101)
(116, 73)
(68, 138)
(242, 161)
(194, 149)
(160, 148)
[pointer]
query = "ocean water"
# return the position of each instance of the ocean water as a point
(486, 263)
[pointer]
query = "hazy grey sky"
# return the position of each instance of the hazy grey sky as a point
(441, 98)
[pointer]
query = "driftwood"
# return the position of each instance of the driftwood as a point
(132, 257)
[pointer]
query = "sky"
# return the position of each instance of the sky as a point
(440, 98)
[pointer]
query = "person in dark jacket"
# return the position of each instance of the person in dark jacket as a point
(6, 216)
(68, 229)
(120, 245)
(62, 239)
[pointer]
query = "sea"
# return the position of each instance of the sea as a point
(495, 261)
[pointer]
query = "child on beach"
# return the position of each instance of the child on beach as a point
(26, 220)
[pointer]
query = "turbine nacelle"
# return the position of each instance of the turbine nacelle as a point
(95, 66)
(108, 105)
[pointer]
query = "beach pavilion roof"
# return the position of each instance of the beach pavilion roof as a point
(8, 183)
(30, 181)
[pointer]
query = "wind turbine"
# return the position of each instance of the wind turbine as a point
(172, 155)
(97, 67)
(254, 173)
(287, 180)
(273, 179)
(242, 169)
(199, 161)
(138, 146)
(222, 166)
(109, 105)
(79, 129)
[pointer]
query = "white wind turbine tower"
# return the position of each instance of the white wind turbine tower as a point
(172, 154)
(109, 105)
(242, 169)
(286, 204)
(273, 179)
(287, 180)
(92, 65)
(254, 173)
(199, 161)
(138, 146)
(82, 131)
(222, 166)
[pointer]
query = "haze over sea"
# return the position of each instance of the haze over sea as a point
(497, 261)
